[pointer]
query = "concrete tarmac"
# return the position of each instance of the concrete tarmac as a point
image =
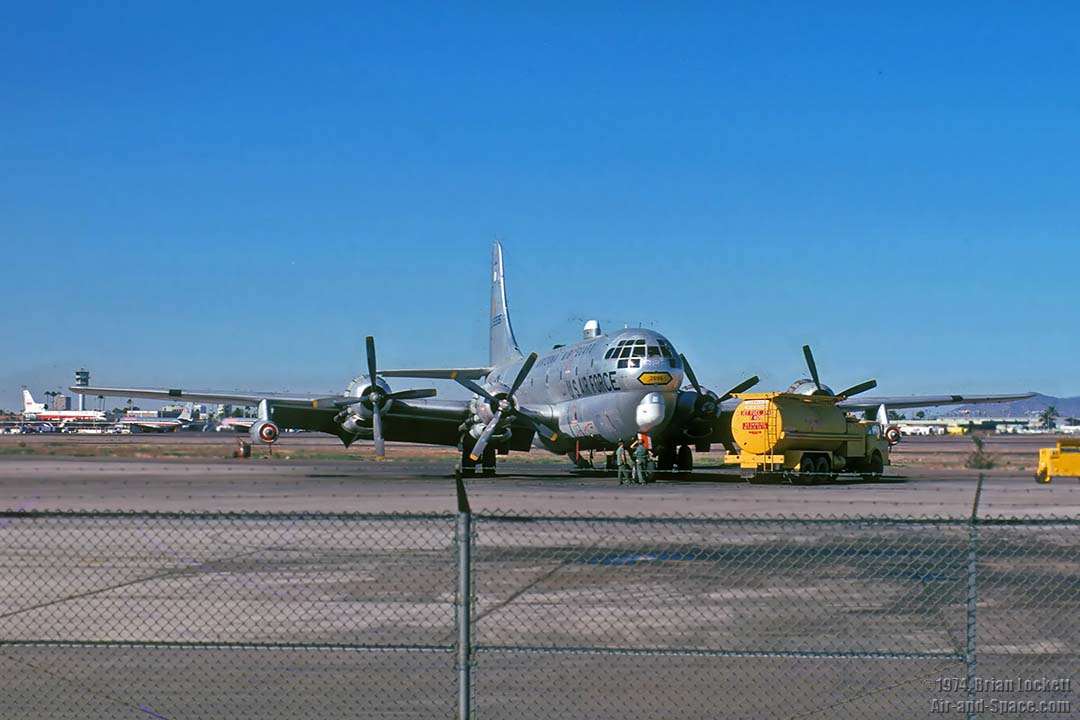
(925, 481)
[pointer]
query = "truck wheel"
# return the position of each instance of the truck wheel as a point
(1043, 476)
(823, 466)
(877, 464)
(807, 468)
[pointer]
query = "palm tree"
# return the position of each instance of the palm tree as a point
(1047, 417)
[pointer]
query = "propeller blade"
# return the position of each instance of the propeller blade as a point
(475, 388)
(376, 430)
(334, 402)
(541, 428)
(371, 357)
(413, 394)
(690, 373)
(482, 441)
(525, 368)
(811, 365)
(856, 389)
(744, 385)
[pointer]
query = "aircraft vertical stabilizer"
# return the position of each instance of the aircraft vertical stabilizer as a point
(29, 406)
(503, 345)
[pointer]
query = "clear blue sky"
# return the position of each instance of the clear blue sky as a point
(232, 198)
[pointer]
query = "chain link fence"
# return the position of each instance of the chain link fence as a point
(496, 615)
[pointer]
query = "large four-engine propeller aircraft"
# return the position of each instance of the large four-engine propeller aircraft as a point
(573, 398)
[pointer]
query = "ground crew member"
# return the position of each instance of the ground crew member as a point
(622, 459)
(641, 462)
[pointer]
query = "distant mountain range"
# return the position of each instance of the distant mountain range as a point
(1066, 407)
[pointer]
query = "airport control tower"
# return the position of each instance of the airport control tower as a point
(82, 379)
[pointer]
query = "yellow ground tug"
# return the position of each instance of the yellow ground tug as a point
(805, 437)
(1063, 460)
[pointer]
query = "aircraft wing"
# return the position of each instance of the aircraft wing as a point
(423, 420)
(223, 398)
(439, 373)
(918, 401)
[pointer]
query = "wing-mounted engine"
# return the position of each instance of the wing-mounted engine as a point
(265, 432)
(357, 418)
(696, 412)
(484, 410)
(374, 399)
(814, 387)
(697, 408)
(495, 409)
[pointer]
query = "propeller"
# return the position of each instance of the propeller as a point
(377, 398)
(853, 390)
(503, 405)
(860, 388)
(812, 365)
(744, 385)
(690, 374)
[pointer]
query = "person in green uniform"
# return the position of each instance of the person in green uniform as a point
(622, 459)
(641, 462)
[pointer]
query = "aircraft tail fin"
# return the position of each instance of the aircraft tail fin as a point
(503, 345)
(29, 406)
(185, 414)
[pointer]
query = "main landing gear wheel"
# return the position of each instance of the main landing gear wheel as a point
(487, 462)
(684, 460)
(468, 465)
(665, 459)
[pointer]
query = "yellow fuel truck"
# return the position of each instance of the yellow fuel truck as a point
(805, 436)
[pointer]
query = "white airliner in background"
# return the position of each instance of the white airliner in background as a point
(37, 411)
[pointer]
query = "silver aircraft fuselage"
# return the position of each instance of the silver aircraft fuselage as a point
(603, 389)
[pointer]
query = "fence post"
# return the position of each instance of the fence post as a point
(973, 540)
(464, 601)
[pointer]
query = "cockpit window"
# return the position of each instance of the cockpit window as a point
(639, 351)
(665, 351)
(654, 351)
(625, 352)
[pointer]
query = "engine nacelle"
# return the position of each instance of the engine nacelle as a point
(264, 432)
(360, 387)
(481, 407)
(806, 386)
(696, 413)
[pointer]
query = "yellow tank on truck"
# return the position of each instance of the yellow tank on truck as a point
(775, 423)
